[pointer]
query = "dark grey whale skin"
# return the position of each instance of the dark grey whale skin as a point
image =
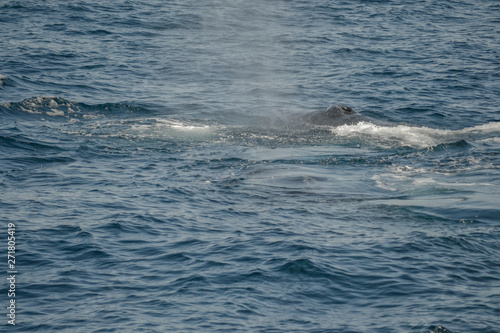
(335, 116)
(440, 329)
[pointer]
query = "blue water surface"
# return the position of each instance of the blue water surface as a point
(155, 163)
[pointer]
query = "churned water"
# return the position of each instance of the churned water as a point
(160, 179)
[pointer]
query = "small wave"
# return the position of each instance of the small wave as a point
(54, 106)
(45, 105)
(410, 136)
(304, 267)
(20, 142)
(2, 79)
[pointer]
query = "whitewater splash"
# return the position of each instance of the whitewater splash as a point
(414, 137)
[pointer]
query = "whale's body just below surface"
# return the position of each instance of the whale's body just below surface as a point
(335, 116)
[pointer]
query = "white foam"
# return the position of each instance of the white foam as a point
(382, 183)
(158, 124)
(2, 79)
(416, 137)
(181, 126)
(55, 112)
(490, 140)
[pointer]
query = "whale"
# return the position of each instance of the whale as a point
(335, 115)
(440, 329)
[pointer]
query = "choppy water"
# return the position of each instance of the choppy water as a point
(159, 184)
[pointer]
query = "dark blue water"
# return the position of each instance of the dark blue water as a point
(160, 179)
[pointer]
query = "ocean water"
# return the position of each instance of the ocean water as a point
(160, 179)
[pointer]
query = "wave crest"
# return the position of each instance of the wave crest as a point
(410, 136)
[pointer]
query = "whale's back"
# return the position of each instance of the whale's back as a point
(335, 116)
